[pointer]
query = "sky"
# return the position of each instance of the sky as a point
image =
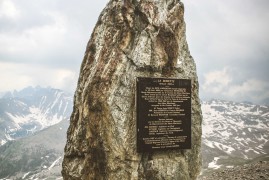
(42, 42)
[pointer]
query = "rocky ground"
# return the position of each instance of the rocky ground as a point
(255, 171)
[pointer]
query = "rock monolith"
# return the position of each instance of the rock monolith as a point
(132, 38)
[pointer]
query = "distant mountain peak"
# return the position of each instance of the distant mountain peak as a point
(30, 91)
(32, 109)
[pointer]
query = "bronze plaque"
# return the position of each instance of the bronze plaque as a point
(163, 114)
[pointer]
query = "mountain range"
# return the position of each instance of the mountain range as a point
(234, 134)
(22, 113)
(34, 121)
(33, 125)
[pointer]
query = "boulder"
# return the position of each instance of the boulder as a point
(132, 38)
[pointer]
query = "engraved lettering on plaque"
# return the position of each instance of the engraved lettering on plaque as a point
(163, 114)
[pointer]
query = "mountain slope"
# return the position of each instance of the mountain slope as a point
(30, 110)
(37, 156)
(233, 133)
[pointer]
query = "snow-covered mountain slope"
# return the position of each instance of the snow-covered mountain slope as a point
(35, 157)
(30, 110)
(233, 133)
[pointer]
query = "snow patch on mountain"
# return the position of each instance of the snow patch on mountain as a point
(213, 164)
(233, 132)
(25, 112)
(57, 161)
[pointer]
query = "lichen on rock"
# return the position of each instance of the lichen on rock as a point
(132, 38)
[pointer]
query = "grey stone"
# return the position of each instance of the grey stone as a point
(132, 38)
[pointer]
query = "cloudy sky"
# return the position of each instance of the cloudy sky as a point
(42, 42)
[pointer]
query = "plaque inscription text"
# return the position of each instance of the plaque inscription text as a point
(163, 114)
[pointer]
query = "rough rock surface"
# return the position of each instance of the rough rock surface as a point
(132, 38)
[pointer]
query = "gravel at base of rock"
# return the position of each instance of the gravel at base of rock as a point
(255, 171)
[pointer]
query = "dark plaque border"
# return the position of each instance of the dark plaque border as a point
(163, 114)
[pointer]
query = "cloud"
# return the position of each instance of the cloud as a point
(33, 75)
(51, 33)
(43, 43)
(216, 81)
(252, 89)
(222, 84)
(222, 32)
(34, 41)
(231, 34)
(8, 9)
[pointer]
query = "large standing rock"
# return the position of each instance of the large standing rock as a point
(132, 38)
